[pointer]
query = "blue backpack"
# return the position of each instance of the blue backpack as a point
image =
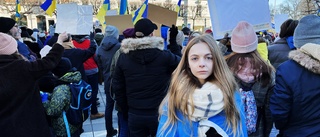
(80, 103)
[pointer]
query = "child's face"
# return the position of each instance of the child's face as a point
(200, 61)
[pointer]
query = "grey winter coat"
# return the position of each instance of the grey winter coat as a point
(104, 54)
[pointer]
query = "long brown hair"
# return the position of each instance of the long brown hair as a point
(262, 71)
(184, 83)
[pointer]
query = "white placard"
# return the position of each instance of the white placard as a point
(74, 19)
(278, 20)
(225, 14)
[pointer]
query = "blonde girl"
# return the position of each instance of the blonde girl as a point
(202, 99)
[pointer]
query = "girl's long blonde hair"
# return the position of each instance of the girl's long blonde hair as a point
(184, 83)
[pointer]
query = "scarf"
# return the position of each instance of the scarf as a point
(250, 108)
(68, 45)
(290, 42)
(208, 102)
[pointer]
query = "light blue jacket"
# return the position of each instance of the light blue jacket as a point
(184, 129)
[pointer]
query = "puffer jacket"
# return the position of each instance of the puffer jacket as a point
(295, 102)
(59, 102)
(142, 74)
(278, 52)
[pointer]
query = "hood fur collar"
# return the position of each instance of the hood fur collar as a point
(132, 44)
(305, 60)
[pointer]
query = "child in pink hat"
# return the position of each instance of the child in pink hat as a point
(254, 77)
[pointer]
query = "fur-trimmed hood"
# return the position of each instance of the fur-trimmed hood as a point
(305, 58)
(143, 50)
(132, 44)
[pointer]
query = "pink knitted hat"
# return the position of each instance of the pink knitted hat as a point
(243, 38)
(8, 44)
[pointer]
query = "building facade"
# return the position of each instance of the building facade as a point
(193, 13)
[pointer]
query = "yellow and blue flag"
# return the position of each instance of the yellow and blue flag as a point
(103, 11)
(141, 12)
(123, 7)
(49, 6)
(18, 9)
(178, 7)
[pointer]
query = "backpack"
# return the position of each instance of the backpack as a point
(80, 103)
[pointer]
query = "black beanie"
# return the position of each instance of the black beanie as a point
(144, 27)
(24, 32)
(6, 24)
(63, 67)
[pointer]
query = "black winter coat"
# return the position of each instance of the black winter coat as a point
(21, 110)
(142, 75)
(78, 56)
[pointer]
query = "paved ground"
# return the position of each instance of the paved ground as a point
(96, 128)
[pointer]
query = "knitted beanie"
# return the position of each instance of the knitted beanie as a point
(128, 33)
(243, 38)
(312, 49)
(63, 67)
(6, 24)
(8, 44)
(307, 31)
(111, 31)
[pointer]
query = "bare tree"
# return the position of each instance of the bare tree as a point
(307, 7)
(295, 8)
(194, 13)
(291, 8)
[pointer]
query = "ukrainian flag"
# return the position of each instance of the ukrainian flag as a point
(103, 11)
(178, 7)
(123, 7)
(49, 6)
(141, 12)
(18, 9)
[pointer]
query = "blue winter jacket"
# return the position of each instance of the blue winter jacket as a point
(295, 102)
(184, 129)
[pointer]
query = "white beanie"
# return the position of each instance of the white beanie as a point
(8, 45)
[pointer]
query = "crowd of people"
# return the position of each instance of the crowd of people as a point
(183, 84)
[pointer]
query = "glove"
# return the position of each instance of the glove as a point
(173, 32)
(44, 96)
(91, 35)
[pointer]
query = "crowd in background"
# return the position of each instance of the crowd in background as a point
(182, 83)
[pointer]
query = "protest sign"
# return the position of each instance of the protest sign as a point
(74, 19)
(225, 14)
